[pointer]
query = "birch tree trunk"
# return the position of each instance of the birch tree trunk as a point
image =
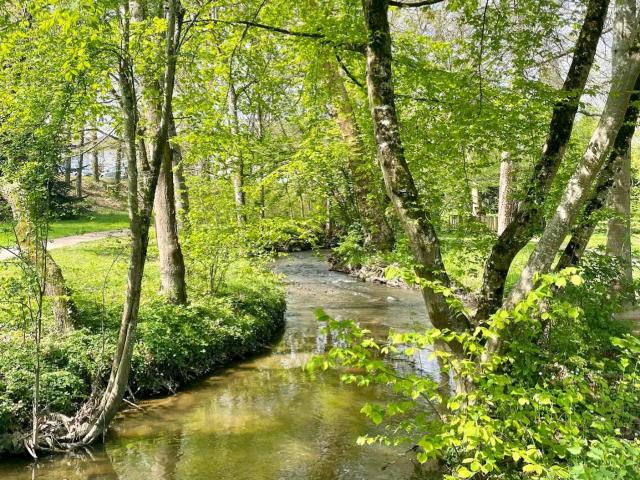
(370, 204)
(528, 216)
(506, 207)
(577, 189)
(401, 189)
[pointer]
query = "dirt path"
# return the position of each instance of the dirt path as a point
(70, 241)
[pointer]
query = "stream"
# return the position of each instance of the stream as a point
(264, 418)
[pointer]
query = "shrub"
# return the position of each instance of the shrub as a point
(175, 345)
(547, 406)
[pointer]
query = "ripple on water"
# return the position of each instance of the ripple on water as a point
(265, 418)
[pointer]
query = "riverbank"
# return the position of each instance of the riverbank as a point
(265, 417)
(242, 319)
(372, 271)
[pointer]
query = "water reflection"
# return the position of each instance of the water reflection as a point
(266, 418)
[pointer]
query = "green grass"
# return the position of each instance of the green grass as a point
(464, 256)
(100, 221)
(240, 320)
(597, 240)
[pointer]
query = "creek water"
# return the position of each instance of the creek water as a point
(264, 418)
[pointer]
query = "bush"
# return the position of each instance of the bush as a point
(240, 321)
(549, 405)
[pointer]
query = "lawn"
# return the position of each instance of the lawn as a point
(99, 221)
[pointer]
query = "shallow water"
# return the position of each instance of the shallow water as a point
(265, 418)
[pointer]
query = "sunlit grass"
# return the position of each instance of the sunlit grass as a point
(99, 221)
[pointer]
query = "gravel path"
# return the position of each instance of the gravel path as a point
(69, 241)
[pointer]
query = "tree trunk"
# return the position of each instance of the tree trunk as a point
(67, 171)
(619, 228)
(238, 167)
(263, 206)
(67, 162)
(506, 206)
(80, 166)
(172, 270)
(369, 202)
(528, 216)
(95, 418)
(95, 164)
(179, 182)
(118, 166)
(621, 148)
(38, 256)
(580, 182)
(401, 189)
(476, 203)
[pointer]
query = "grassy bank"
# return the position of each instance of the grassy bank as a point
(102, 220)
(243, 318)
(463, 256)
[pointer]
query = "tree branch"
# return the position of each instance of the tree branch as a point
(423, 3)
(347, 72)
(355, 47)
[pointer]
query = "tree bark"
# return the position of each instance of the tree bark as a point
(95, 419)
(37, 255)
(619, 228)
(80, 166)
(172, 269)
(67, 163)
(506, 205)
(118, 166)
(369, 202)
(95, 164)
(476, 203)
(621, 148)
(580, 182)
(528, 216)
(67, 171)
(179, 181)
(401, 189)
(238, 167)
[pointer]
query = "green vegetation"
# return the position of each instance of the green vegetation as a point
(473, 149)
(99, 221)
(560, 401)
(464, 256)
(243, 318)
